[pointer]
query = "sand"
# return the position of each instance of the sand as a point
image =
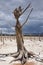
(27, 63)
(34, 46)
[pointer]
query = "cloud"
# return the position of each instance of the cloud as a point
(37, 14)
(7, 6)
(5, 16)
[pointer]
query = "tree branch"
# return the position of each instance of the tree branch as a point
(26, 8)
(27, 18)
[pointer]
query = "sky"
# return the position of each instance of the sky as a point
(7, 19)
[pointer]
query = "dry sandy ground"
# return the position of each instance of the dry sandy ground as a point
(33, 45)
(29, 63)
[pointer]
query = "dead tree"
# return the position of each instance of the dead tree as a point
(19, 37)
(1, 35)
(22, 54)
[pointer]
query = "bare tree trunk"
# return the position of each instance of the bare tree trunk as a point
(20, 44)
(19, 37)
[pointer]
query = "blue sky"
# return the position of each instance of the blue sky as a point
(35, 21)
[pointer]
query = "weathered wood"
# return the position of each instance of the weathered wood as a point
(26, 8)
(17, 12)
(27, 18)
(10, 54)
